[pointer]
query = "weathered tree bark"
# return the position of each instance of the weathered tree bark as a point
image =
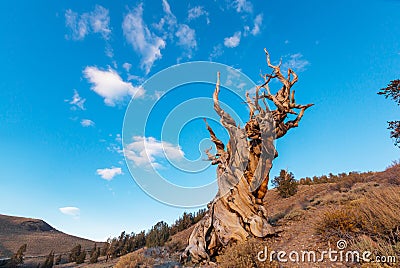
(238, 211)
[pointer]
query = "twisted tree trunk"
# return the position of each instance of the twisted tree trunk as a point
(237, 211)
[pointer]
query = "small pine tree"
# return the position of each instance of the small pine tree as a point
(49, 262)
(81, 257)
(95, 256)
(18, 257)
(112, 250)
(392, 91)
(105, 247)
(285, 184)
(75, 252)
(158, 235)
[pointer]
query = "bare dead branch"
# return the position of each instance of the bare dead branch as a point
(218, 143)
(226, 119)
(250, 104)
(214, 160)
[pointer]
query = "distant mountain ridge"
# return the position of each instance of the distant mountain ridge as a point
(40, 237)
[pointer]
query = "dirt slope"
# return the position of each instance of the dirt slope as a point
(40, 237)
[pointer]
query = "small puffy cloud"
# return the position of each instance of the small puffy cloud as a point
(257, 23)
(87, 123)
(158, 94)
(127, 66)
(197, 12)
(147, 151)
(109, 173)
(144, 42)
(109, 85)
(118, 138)
(186, 38)
(296, 62)
(71, 211)
(233, 41)
(77, 102)
(97, 21)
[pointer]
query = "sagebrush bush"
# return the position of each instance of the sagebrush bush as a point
(392, 173)
(134, 260)
(244, 255)
(380, 247)
(338, 224)
(295, 215)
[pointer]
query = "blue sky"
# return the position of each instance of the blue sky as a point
(69, 69)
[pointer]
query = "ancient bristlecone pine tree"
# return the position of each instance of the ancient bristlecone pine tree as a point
(238, 210)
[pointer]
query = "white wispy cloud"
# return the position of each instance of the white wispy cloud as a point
(87, 123)
(109, 173)
(167, 24)
(144, 42)
(257, 23)
(233, 79)
(77, 102)
(147, 151)
(197, 12)
(96, 21)
(100, 21)
(77, 24)
(186, 39)
(127, 66)
(296, 62)
(169, 17)
(243, 6)
(177, 33)
(216, 52)
(109, 51)
(71, 211)
(109, 85)
(115, 145)
(233, 41)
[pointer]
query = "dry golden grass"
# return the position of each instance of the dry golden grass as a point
(378, 247)
(337, 224)
(244, 255)
(375, 213)
(379, 212)
(135, 259)
(370, 223)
